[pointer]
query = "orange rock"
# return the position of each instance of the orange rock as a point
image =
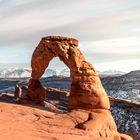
(86, 93)
(98, 123)
(36, 91)
(86, 90)
(32, 122)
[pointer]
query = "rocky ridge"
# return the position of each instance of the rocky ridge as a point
(126, 86)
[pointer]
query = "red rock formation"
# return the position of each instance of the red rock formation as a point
(86, 91)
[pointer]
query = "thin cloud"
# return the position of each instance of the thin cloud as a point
(106, 29)
(30, 26)
(8, 56)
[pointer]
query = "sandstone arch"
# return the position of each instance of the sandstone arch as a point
(86, 89)
(88, 101)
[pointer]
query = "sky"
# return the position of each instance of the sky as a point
(108, 30)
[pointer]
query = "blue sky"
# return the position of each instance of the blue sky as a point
(108, 30)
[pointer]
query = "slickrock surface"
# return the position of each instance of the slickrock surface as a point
(35, 123)
(18, 122)
(88, 102)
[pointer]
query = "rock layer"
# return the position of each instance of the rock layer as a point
(86, 91)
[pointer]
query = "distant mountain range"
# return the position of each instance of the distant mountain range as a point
(125, 86)
(110, 73)
(15, 73)
(26, 72)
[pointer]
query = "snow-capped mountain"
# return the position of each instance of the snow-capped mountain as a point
(126, 86)
(24, 72)
(51, 72)
(110, 73)
(15, 73)
(65, 72)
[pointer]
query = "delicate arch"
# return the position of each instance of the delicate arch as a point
(86, 89)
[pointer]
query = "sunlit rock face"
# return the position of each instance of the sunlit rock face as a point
(86, 89)
(86, 93)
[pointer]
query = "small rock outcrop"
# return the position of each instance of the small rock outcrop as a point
(86, 94)
(21, 93)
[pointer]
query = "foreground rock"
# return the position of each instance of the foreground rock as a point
(29, 123)
(88, 102)
(126, 113)
(34, 122)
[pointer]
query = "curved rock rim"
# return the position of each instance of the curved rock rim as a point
(61, 38)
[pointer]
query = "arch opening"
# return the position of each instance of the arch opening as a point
(60, 75)
(56, 68)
